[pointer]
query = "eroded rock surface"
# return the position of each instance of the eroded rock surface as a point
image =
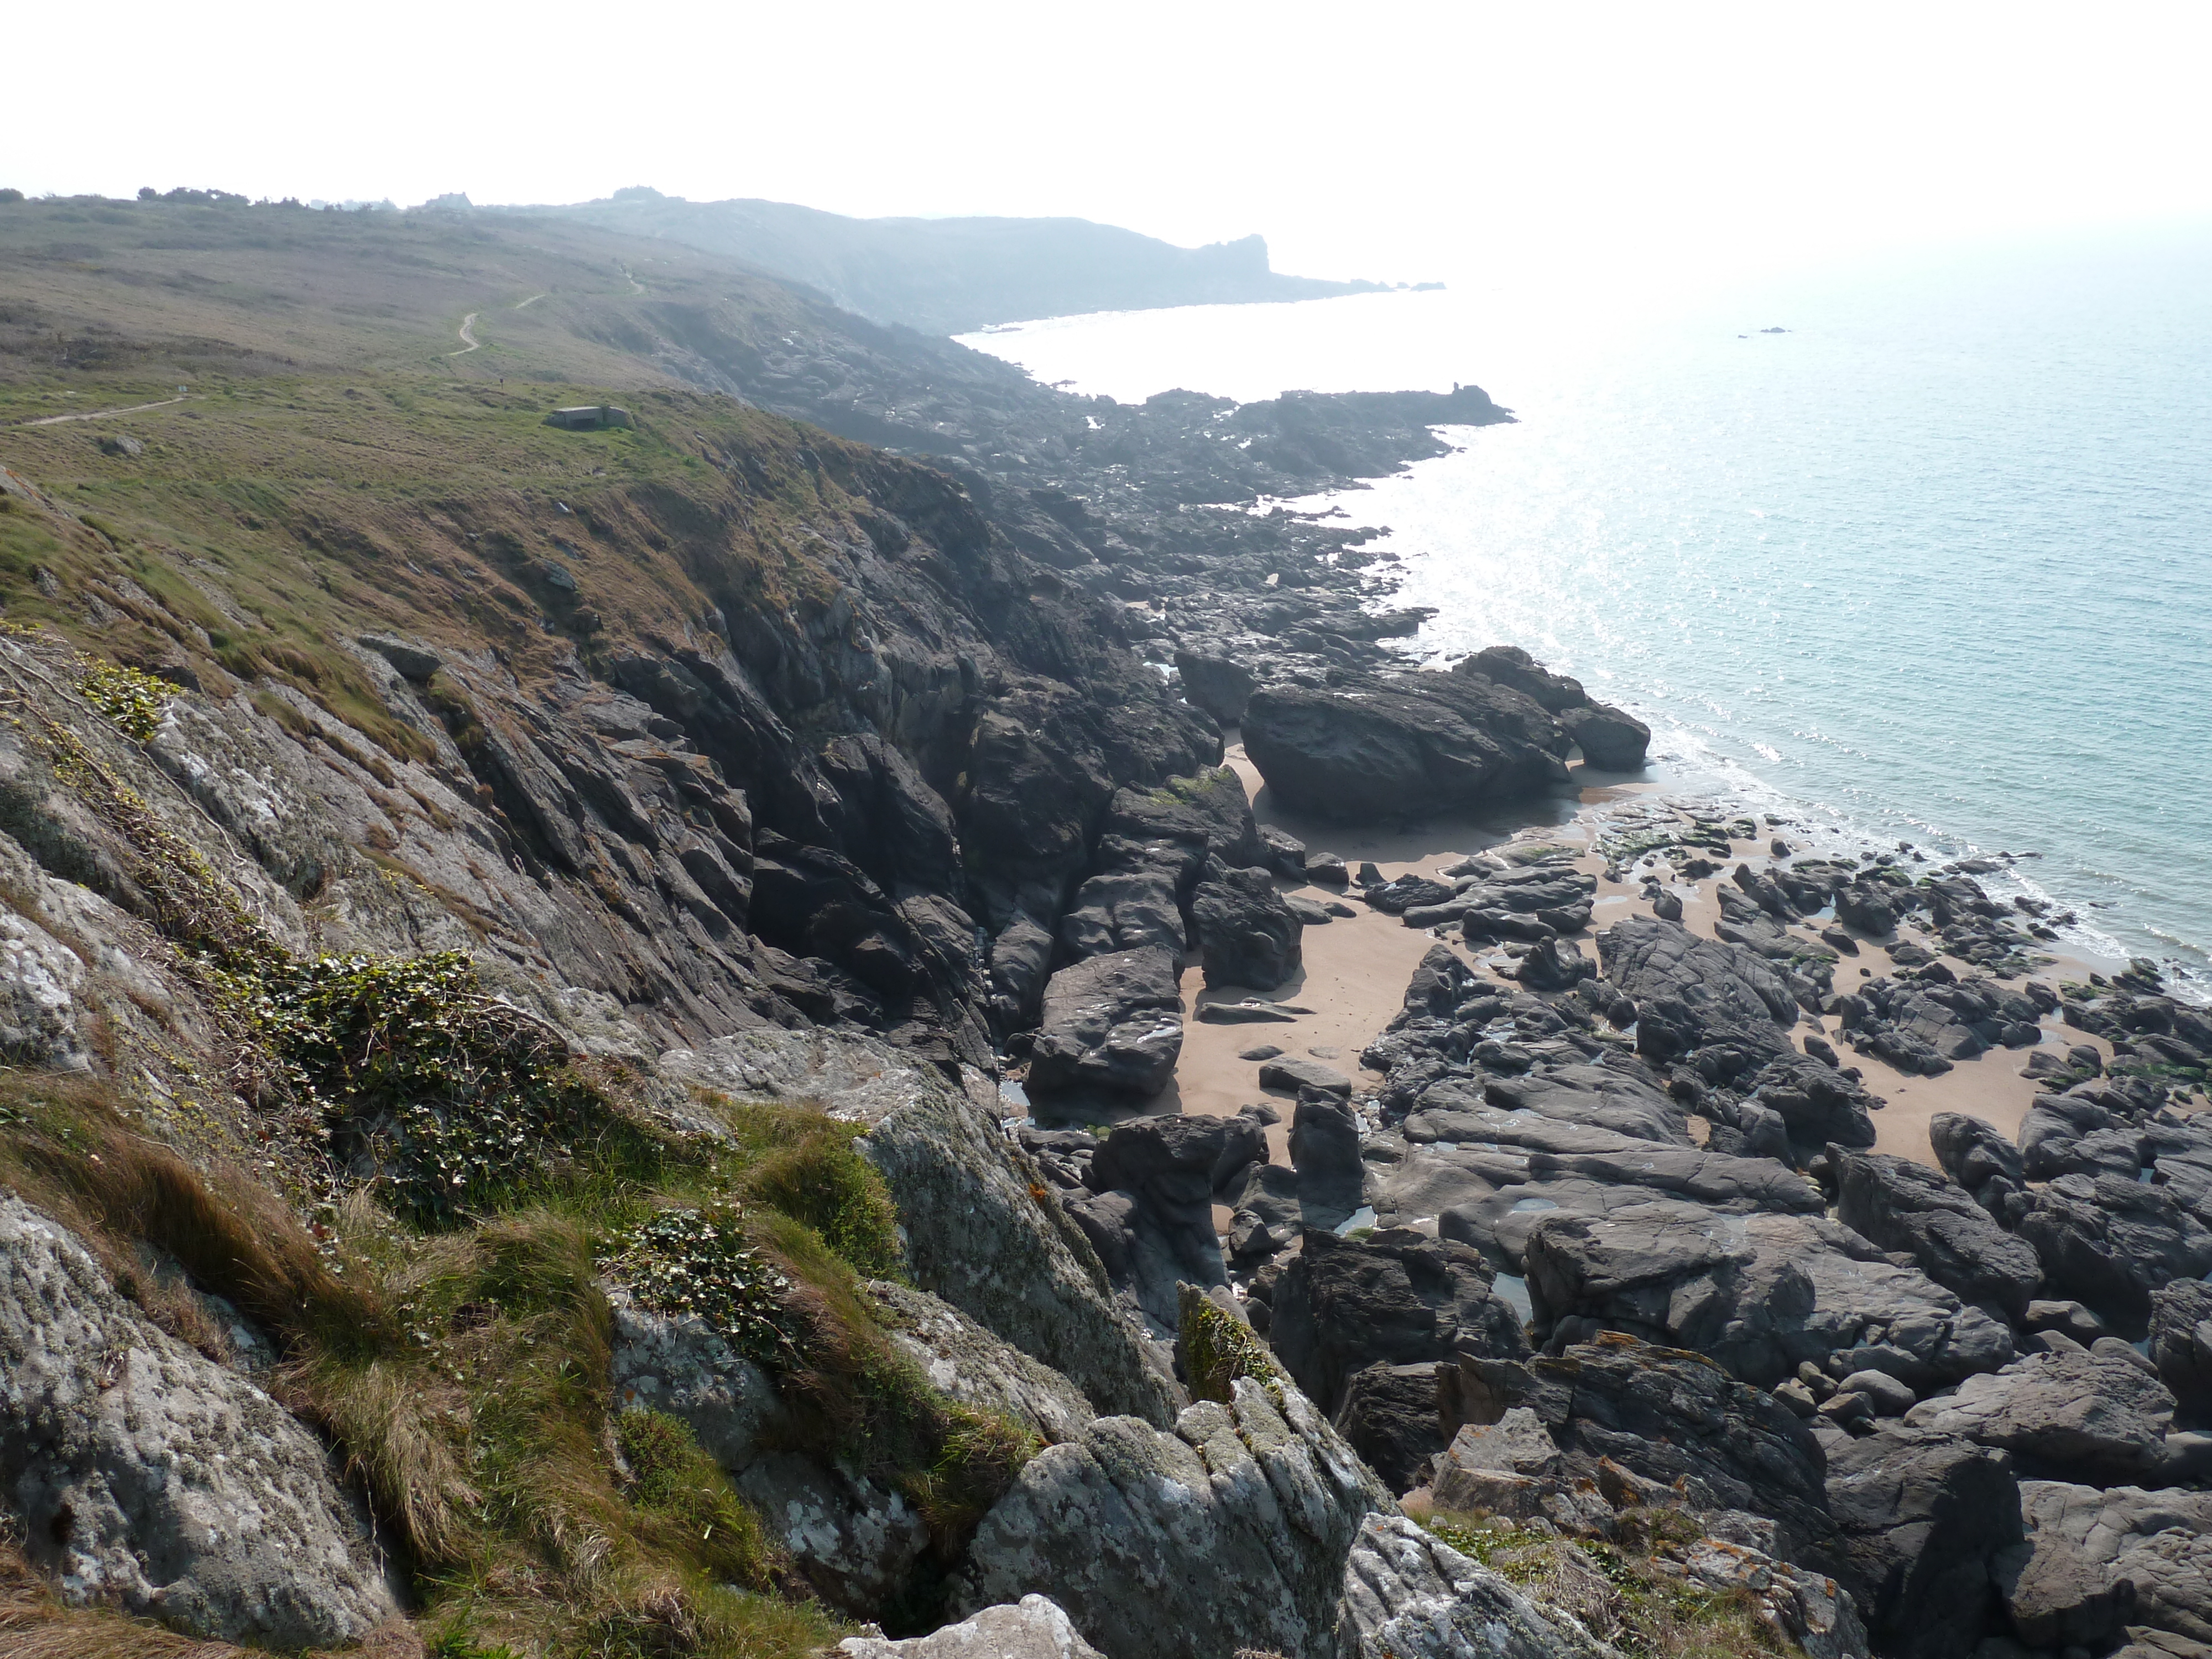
(1409, 1594)
(2105, 1560)
(2095, 1416)
(1231, 1532)
(152, 1479)
(1031, 1628)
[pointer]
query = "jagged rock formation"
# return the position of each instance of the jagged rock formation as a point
(721, 811)
(1266, 1496)
(1410, 1595)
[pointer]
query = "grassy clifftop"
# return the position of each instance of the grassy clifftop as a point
(266, 519)
(126, 297)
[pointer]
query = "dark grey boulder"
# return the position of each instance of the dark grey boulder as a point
(1625, 1099)
(1388, 1416)
(1249, 935)
(1666, 1415)
(1296, 1072)
(1510, 665)
(1693, 994)
(1250, 1011)
(2052, 1130)
(1611, 739)
(1410, 742)
(1021, 963)
(1124, 910)
(1113, 1023)
(1868, 909)
(1207, 810)
(1325, 1149)
(1554, 965)
(1760, 1293)
(1817, 1103)
(1218, 685)
(2111, 1242)
(1326, 869)
(2065, 1414)
(2102, 1564)
(1395, 1298)
(1977, 1158)
(1267, 1215)
(2181, 1343)
(1930, 1524)
(1286, 854)
(1150, 1210)
(414, 659)
(1903, 1206)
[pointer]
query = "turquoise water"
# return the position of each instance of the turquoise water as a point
(1934, 565)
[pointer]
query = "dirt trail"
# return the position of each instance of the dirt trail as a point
(470, 341)
(100, 414)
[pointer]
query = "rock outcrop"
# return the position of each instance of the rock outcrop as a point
(1395, 1298)
(1231, 1532)
(1112, 1024)
(1031, 1628)
(1901, 1206)
(854, 1541)
(1761, 1294)
(1147, 1204)
(1405, 745)
(966, 1363)
(1409, 1594)
(2100, 1562)
(2181, 1343)
(150, 1478)
(2088, 1416)
(1929, 1525)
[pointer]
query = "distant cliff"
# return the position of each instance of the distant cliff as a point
(949, 275)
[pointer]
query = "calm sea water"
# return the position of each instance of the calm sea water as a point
(1933, 565)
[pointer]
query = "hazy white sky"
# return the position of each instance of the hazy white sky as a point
(1398, 141)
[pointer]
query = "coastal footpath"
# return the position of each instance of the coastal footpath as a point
(863, 1011)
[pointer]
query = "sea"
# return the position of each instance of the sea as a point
(1916, 549)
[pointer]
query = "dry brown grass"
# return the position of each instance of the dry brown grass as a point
(74, 1152)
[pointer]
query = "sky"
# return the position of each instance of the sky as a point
(1401, 142)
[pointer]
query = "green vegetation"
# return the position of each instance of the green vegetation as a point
(697, 1264)
(444, 1321)
(422, 1195)
(1217, 1349)
(456, 1093)
(130, 701)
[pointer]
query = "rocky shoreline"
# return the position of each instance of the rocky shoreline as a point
(684, 1040)
(1674, 1145)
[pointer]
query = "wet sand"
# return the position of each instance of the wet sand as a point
(1356, 967)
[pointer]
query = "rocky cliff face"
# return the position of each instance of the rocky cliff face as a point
(510, 944)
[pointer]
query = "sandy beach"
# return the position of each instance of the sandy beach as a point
(1356, 967)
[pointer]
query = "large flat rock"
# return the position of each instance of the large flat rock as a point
(1760, 1293)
